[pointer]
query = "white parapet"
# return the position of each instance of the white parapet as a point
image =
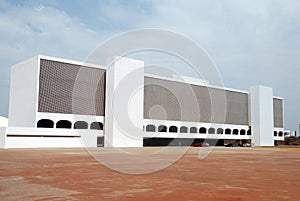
(262, 122)
(124, 103)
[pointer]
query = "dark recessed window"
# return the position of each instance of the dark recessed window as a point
(173, 129)
(211, 131)
(202, 130)
(193, 130)
(220, 130)
(227, 131)
(81, 125)
(183, 129)
(96, 126)
(45, 123)
(162, 128)
(63, 124)
(150, 128)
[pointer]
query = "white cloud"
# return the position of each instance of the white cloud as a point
(26, 31)
(252, 42)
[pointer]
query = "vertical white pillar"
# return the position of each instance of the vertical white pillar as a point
(23, 98)
(262, 122)
(124, 103)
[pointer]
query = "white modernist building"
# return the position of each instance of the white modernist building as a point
(61, 103)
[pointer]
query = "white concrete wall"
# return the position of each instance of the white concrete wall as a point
(21, 137)
(42, 142)
(124, 103)
(3, 121)
(2, 137)
(262, 122)
(23, 93)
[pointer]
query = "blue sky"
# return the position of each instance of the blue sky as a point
(251, 41)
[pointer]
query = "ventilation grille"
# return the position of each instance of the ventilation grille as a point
(71, 89)
(278, 112)
(169, 100)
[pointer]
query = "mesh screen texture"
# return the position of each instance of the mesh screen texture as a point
(278, 112)
(71, 89)
(170, 100)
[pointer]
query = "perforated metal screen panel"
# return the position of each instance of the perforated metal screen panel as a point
(278, 112)
(237, 108)
(59, 93)
(170, 100)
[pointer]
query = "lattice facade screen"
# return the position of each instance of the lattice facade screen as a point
(237, 108)
(71, 89)
(170, 100)
(278, 112)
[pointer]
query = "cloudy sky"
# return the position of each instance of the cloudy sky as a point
(251, 41)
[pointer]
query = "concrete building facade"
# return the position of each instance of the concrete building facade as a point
(61, 103)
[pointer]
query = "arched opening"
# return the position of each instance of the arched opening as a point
(243, 132)
(227, 131)
(173, 129)
(249, 132)
(275, 133)
(280, 133)
(220, 131)
(183, 129)
(211, 131)
(193, 130)
(202, 130)
(81, 125)
(150, 128)
(96, 126)
(235, 132)
(45, 123)
(162, 128)
(63, 124)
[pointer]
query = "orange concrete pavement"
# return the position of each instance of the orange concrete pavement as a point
(226, 174)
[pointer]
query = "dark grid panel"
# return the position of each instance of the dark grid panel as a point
(177, 100)
(278, 112)
(237, 108)
(59, 93)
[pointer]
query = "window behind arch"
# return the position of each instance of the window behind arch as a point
(202, 130)
(220, 131)
(45, 123)
(183, 129)
(96, 126)
(211, 131)
(150, 128)
(63, 124)
(173, 129)
(80, 125)
(235, 132)
(162, 128)
(193, 130)
(227, 131)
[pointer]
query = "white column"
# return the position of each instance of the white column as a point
(23, 98)
(124, 103)
(262, 122)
